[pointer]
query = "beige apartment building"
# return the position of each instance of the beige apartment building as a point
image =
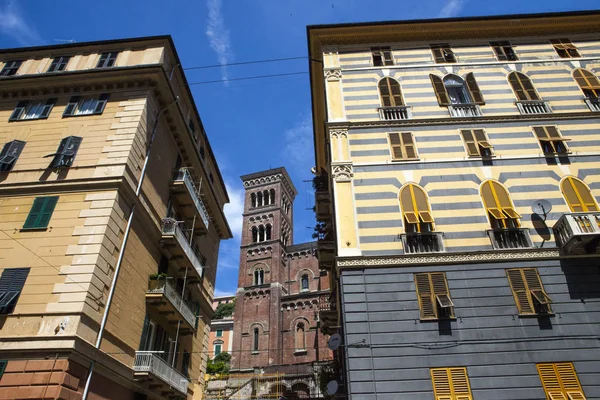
(221, 330)
(111, 215)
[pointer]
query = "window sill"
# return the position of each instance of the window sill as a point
(80, 115)
(33, 229)
(481, 157)
(536, 315)
(437, 319)
(27, 119)
(302, 352)
(255, 353)
(405, 159)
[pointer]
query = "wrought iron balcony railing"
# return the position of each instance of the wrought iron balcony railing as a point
(150, 362)
(464, 110)
(183, 176)
(533, 107)
(513, 238)
(166, 288)
(177, 231)
(394, 113)
(593, 103)
(427, 242)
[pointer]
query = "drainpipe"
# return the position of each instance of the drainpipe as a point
(122, 252)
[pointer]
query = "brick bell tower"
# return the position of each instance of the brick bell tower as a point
(266, 231)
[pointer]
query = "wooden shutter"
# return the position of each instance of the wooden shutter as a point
(440, 289)
(419, 198)
(440, 378)
(47, 210)
(518, 286)
(47, 108)
(408, 208)
(482, 139)
(10, 154)
(440, 90)
(560, 381)
(522, 86)
(11, 285)
(71, 106)
(34, 213)
(18, 111)
(474, 89)
(438, 54)
(470, 143)
(586, 80)
(3, 364)
(402, 146)
(426, 296)
(451, 383)
(408, 145)
(101, 103)
(391, 95)
(578, 195)
(527, 85)
(396, 145)
(41, 212)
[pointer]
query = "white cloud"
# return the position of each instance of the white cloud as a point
(299, 143)
(452, 8)
(12, 23)
(221, 293)
(234, 209)
(218, 35)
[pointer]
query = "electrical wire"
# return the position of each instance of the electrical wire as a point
(247, 78)
(245, 63)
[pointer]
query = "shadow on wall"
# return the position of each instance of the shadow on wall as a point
(583, 278)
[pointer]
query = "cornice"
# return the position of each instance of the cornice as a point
(268, 180)
(348, 125)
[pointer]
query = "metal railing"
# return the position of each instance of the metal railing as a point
(513, 238)
(394, 113)
(574, 225)
(149, 361)
(325, 304)
(183, 175)
(177, 229)
(593, 104)
(533, 107)
(426, 242)
(464, 110)
(166, 287)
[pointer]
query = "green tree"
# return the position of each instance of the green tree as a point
(224, 310)
(219, 365)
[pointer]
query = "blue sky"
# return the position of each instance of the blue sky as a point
(252, 124)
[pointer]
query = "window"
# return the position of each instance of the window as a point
(442, 53)
(255, 340)
(268, 232)
(85, 106)
(578, 195)
(477, 143)
(11, 68)
(217, 349)
(389, 90)
(402, 146)
(40, 213)
(560, 381)
(11, 284)
(107, 60)
(499, 206)
(454, 90)
(564, 48)
(254, 234)
(527, 289)
(272, 194)
(27, 110)
(59, 64)
(10, 153)
(451, 384)
(300, 337)
(259, 277)
(3, 364)
(522, 86)
(434, 296)
(550, 139)
(304, 282)
(67, 149)
(588, 82)
(185, 363)
(504, 51)
(252, 200)
(219, 333)
(192, 126)
(417, 216)
(382, 56)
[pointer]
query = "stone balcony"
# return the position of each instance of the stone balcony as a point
(578, 233)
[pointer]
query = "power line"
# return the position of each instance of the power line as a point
(245, 63)
(247, 78)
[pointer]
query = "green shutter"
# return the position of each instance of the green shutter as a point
(3, 364)
(41, 212)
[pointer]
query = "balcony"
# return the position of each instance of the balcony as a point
(394, 113)
(578, 233)
(593, 103)
(533, 107)
(187, 196)
(163, 295)
(149, 364)
(328, 315)
(464, 110)
(427, 242)
(177, 243)
(513, 238)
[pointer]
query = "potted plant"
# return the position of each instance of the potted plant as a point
(156, 280)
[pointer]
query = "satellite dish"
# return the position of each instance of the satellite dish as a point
(541, 207)
(334, 341)
(332, 387)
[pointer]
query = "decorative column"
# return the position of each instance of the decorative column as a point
(333, 91)
(346, 224)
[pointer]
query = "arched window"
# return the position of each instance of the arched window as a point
(499, 206)
(254, 234)
(253, 199)
(268, 232)
(578, 195)
(266, 197)
(259, 199)
(454, 90)
(259, 276)
(300, 336)
(255, 340)
(522, 86)
(304, 282)
(415, 209)
(588, 82)
(389, 90)
(272, 195)
(261, 233)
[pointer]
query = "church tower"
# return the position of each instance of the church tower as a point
(267, 230)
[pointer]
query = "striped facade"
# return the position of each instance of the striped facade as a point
(374, 286)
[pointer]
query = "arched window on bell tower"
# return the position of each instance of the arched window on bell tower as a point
(268, 232)
(259, 199)
(254, 234)
(261, 233)
(259, 276)
(253, 199)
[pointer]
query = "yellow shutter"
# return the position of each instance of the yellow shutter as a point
(396, 146)
(474, 89)
(425, 295)
(470, 143)
(440, 379)
(440, 90)
(408, 145)
(441, 292)
(578, 195)
(520, 291)
(560, 381)
(451, 383)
